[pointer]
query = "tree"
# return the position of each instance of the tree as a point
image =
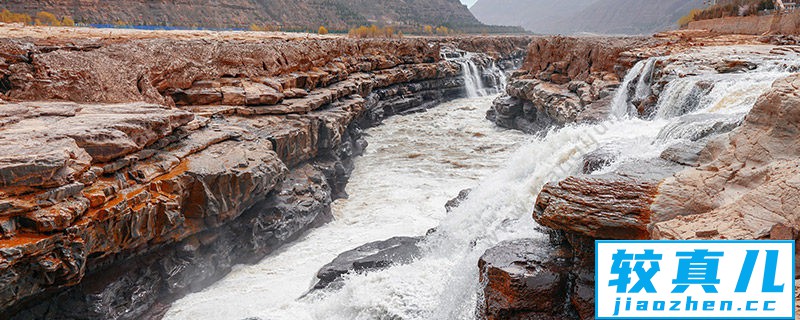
(691, 16)
(67, 22)
(47, 19)
(10, 17)
(322, 30)
(427, 30)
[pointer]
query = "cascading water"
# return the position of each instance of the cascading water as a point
(474, 74)
(472, 78)
(414, 164)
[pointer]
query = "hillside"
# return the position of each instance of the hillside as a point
(304, 14)
(592, 16)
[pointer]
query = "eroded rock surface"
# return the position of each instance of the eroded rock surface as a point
(183, 156)
(566, 80)
(526, 279)
(727, 178)
(737, 185)
(370, 256)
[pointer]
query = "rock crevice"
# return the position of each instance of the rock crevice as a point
(184, 157)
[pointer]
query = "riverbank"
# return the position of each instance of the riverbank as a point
(707, 166)
(142, 167)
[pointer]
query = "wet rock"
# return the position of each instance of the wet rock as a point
(226, 161)
(455, 202)
(746, 183)
(685, 153)
(598, 159)
(525, 279)
(370, 256)
(573, 204)
(731, 66)
(694, 127)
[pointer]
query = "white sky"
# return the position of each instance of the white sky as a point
(468, 2)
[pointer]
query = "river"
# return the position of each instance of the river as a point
(415, 163)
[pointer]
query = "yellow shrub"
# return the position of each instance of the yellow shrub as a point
(67, 22)
(10, 17)
(373, 31)
(44, 18)
(689, 17)
(322, 30)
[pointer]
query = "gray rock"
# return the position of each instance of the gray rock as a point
(371, 256)
(455, 202)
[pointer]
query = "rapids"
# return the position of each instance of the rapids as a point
(415, 163)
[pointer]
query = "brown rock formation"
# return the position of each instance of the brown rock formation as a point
(572, 79)
(526, 279)
(749, 185)
(742, 188)
(742, 185)
(181, 155)
(719, 185)
(565, 80)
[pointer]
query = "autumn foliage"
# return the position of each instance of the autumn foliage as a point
(43, 18)
(727, 8)
(373, 31)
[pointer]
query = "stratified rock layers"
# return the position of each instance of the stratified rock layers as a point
(728, 182)
(168, 161)
(565, 80)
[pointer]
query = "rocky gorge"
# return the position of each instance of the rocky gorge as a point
(715, 164)
(136, 169)
(205, 175)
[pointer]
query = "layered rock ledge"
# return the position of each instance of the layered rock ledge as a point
(136, 169)
(567, 80)
(728, 179)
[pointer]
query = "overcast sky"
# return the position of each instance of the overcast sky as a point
(468, 2)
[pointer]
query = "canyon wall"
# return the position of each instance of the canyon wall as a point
(136, 169)
(786, 24)
(565, 80)
(724, 182)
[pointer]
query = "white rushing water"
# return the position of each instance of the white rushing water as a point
(474, 75)
(413, 165)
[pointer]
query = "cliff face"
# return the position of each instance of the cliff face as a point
(590, 16)
(723, 181)
(139, 165)
(308, 14)
(565, 80)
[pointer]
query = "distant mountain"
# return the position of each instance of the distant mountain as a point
(540, 16)
(592, 16)
(309, 14)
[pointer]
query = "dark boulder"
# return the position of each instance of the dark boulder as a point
(370, 256)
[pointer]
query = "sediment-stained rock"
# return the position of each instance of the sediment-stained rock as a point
(183, 156)
(737, 185)
(750, 182)
(526, 279)
(565, 80)
(370, 256)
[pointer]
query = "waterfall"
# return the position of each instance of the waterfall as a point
(415, 163)
(481, 79)
(473, 81)
(641, 72)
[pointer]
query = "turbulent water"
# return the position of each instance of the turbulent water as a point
(413, 166)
